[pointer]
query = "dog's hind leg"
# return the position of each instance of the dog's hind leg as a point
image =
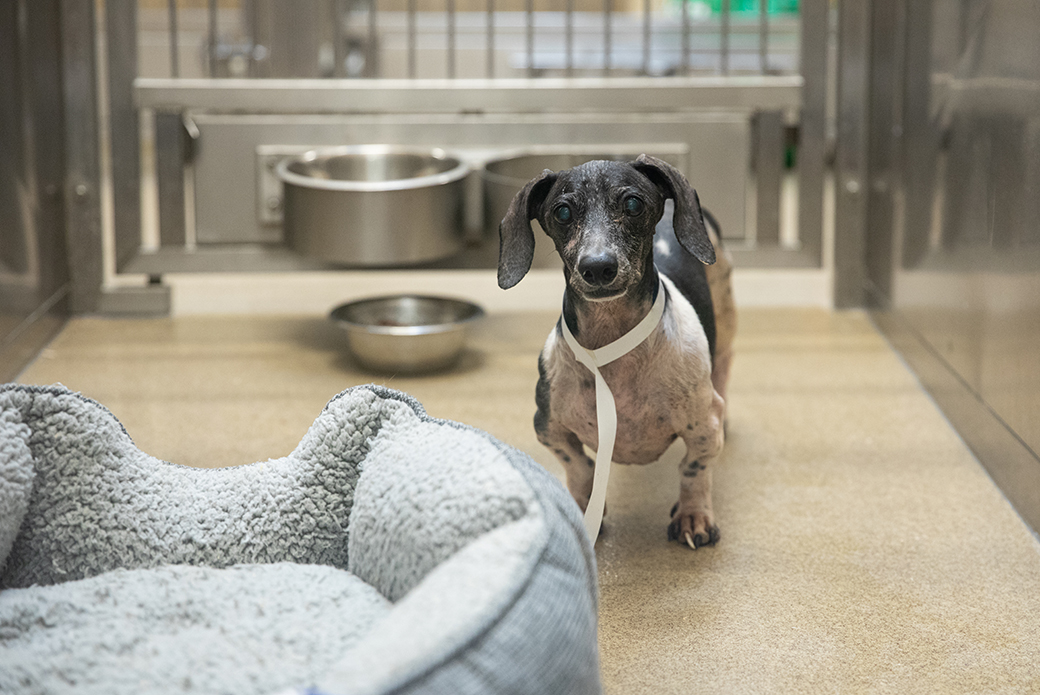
(720, 280)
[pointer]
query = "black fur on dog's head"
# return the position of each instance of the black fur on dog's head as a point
(601, 216)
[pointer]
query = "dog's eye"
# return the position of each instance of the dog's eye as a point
(633, 206)
(562, 214)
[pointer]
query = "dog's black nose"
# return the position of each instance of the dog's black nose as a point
(598, 270)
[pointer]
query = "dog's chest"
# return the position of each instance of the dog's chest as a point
(655, 394)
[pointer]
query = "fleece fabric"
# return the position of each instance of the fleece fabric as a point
(247, 630)
(450, 562)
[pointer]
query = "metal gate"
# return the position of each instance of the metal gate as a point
(210, 95)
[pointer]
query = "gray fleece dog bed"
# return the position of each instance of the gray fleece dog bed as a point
(389, 553)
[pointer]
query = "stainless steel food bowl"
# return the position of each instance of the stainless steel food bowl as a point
(406, 333)
(374, 204)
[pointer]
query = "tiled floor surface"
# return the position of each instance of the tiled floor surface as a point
(863, 548)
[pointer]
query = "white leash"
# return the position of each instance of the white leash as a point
(606, 411)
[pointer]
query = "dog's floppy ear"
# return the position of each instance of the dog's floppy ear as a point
(516, 240)
(687, 218)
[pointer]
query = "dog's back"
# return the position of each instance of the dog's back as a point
(707, 288)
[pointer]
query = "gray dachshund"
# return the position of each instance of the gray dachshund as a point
(603, 218)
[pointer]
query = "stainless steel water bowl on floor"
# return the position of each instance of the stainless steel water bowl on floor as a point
(406, 333)
(374, 205)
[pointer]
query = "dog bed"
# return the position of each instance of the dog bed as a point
(389, 552)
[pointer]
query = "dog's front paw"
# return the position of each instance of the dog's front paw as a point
(695, 529)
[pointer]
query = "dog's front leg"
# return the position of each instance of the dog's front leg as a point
(693, 519)
(571, 453)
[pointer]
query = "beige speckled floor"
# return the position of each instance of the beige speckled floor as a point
(863, 549)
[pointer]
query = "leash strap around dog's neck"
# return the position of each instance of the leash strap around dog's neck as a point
(606, 410)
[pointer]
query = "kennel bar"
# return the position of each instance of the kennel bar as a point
(450, 31)
(763, 36)
(175, 61)
(724, 36)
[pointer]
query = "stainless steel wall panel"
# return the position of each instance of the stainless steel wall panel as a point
(33, 263)
(226, 202)
(965, 294)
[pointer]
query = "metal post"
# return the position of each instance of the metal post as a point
(451, 39)
(851, 166)
(211, 36)
(608, 39)
(175, 63)
(812, 133)
(411, 39)
(339, 10)
(251, 19)
(919, 135)
(569, 36)
(884, 67)
(685, 70)
(530, 37)
(373, 36)
(724, 37)
(763, 36)
(121, 21)
(646, 37)
(490, 38)
(82, 155)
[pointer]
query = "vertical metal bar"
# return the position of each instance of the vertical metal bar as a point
(530, 37)
(851, 167)
(919, 135)
(451, 39)
(82, 155)
(724, 37)
(372, 64)
(169, 177)
(769, 161)
(763, 36)
(685, 70)
(812, 131)
(252, 28)
(490, 38)
(646, 37)
(175, 63)
(339, 11)
(211, 37)
(124, 126)
(569, 37)
(608, 38)
(411, 39)
(884, 67)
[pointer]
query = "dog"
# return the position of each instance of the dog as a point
(605, 219)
